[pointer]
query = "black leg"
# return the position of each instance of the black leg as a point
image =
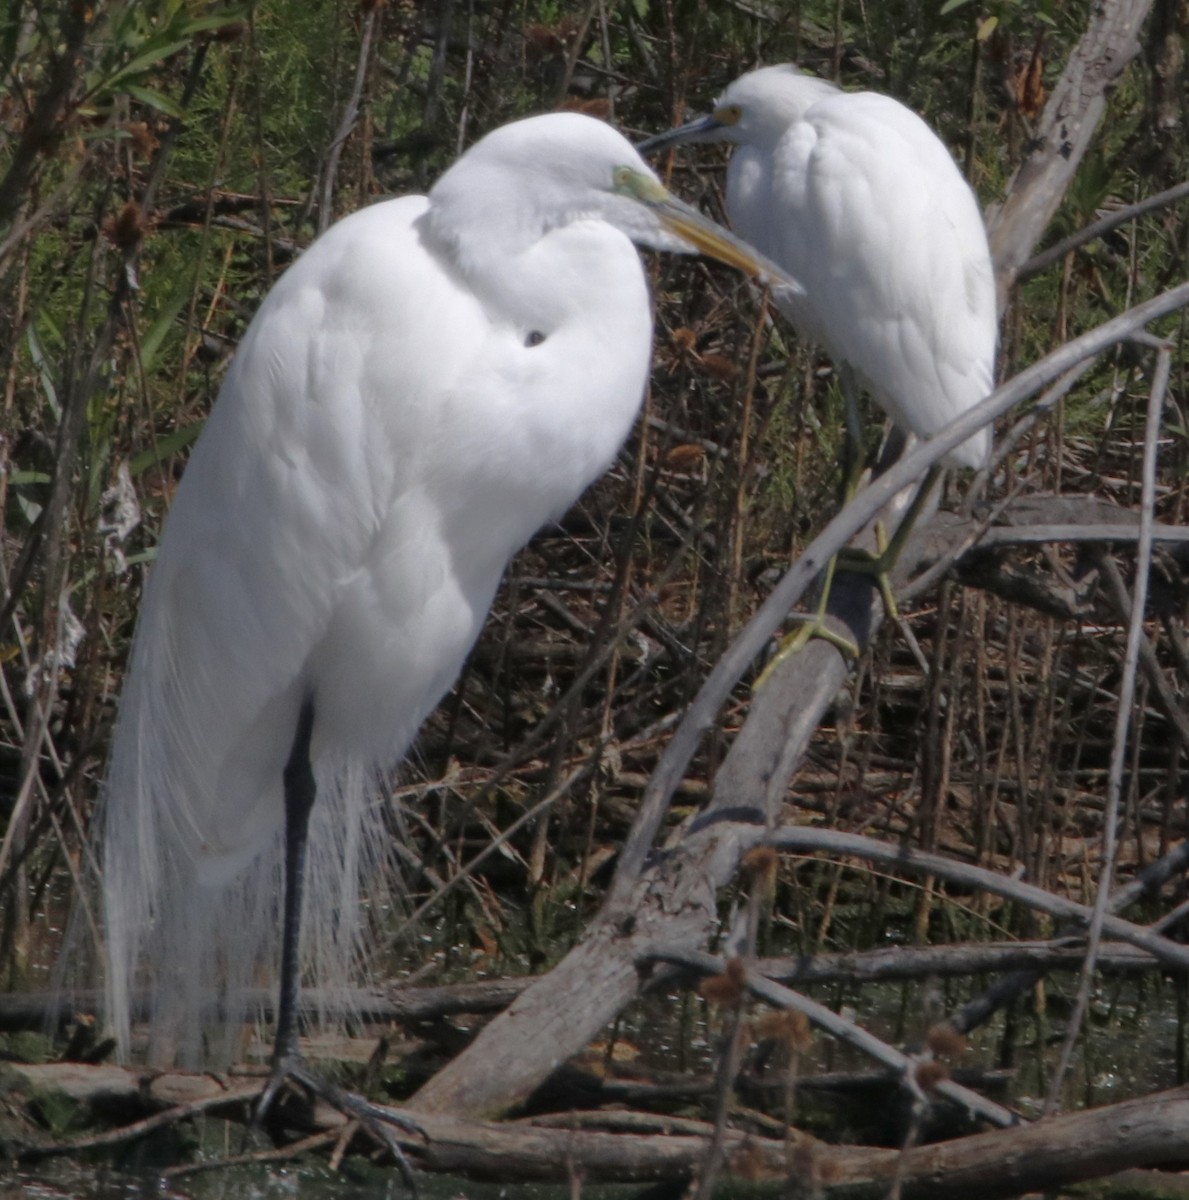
(288, 1063)
(300, 793)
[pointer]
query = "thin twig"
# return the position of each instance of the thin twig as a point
(732, 1054)
(1111, 535)
(284, 1153)
(138, 1129)
(1117, 590)
(50, 527)
(839, 1027)
(1046, 258)
(468, 869)
(346, 124)
(803, 839)
(1135, 633)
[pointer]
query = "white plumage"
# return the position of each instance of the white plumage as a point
(431, 381)
(860, 201)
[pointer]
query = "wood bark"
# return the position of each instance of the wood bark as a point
(1053, 1152)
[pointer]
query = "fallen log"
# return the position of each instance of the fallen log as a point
(1152, 1131)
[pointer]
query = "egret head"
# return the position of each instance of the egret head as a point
(755, 110)
(531, 176)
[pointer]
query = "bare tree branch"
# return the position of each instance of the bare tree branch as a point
(1065, 134)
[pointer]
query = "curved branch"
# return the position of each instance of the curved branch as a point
(918, 862)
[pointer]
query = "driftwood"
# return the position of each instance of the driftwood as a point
(1152, 1131)
(986, 557)
(672, 898)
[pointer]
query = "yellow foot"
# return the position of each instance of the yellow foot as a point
(863, 562)
(813, 627)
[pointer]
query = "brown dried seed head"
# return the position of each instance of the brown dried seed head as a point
(543, 41)
(598, 107)
(791, 1029)
(143, 140)
(1029, 84)
(719, 366)
(761, 863)
(233, 31)
(945, 1041)
(685, 457)
(725, 989)
(930, 1074)
(718, 989)
(126, 228)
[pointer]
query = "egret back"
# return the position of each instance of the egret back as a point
(862, 203)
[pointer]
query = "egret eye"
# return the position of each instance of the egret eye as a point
(638, 185)
(728, 114)
(621, 179)
(535, 338)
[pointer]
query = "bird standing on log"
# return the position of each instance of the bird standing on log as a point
(435, 378)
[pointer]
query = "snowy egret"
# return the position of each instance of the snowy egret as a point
(435, 378)
(861, 202)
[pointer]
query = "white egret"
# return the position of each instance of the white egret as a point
(435, 378)
(861, 202)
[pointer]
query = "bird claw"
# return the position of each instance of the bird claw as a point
(812, 627)
(374, 1118)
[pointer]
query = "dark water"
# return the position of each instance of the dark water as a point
(307, 1180)
(1129, 1047)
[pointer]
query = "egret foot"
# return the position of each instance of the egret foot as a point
(878, 566)
(293, 1068)
(813, 627)
(862, 562)
(852, 559)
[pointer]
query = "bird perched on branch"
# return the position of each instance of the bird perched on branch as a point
(861, 202)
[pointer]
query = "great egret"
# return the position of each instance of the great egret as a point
(860, 201)
(435, 378)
